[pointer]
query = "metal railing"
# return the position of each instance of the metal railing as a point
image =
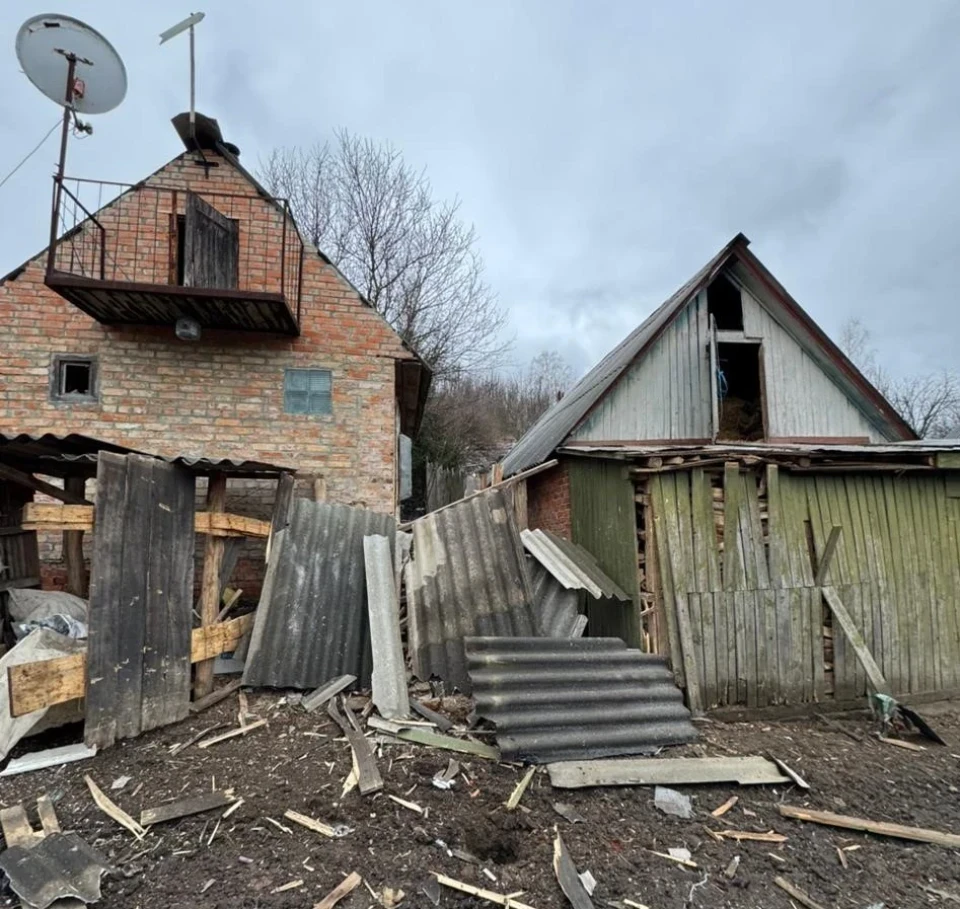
(134, 234)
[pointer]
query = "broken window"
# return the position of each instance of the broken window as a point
(725, 304)
(308, 391)
(740, 392)
(74, 378)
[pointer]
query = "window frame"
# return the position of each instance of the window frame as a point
(60, 362)
(307, 371)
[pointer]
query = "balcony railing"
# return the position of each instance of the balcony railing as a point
(156, 254)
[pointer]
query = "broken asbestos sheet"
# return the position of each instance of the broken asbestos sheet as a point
(747, 771)
(59, 867)
(39, 645)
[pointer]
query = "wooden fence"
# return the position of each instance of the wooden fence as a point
(746, 621)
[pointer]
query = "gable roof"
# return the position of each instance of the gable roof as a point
(549, 432)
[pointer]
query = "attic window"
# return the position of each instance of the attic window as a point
(741, 392)
(74, 379)
(725, 304)
(308, 391)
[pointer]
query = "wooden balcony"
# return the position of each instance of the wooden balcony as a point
(156, 256)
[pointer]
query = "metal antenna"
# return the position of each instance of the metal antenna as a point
(172, 32)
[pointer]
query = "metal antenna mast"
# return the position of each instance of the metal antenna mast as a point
(188, 23)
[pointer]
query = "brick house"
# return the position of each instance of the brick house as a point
(188, 316)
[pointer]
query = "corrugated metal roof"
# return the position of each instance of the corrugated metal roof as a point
(59, 455)
(558, 422)
(312, 622)
(571, 565)
(555, 699)
(880, 451)
(467, 576)
(557, 606)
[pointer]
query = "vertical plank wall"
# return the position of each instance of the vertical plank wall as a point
(141, 597)
(603, 520)
(746, 597)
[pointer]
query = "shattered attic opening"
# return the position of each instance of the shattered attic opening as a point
(740, 392)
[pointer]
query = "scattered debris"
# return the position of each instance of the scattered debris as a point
(589, 882)
(796, 893)
(880, 828)
(430, 888)
(731, 868)
(900, 743)
(411, 806)
(725, 807)
(521, 787)
(389, 679)
(60, 866)
(674, 803)
(839, 727)
(119, 783)
(364, 763)
(747, 771)
(390, 898)
(488, 895)
(568, 812)
(435, 740)
(333, 832)
(803, 784)
(682, 857)
(769, 837)
(842, 857)
(316, 699)
(182, 746)
(185, 807)
(52, 757)
(215, 697)
(114, 811)
(943, 894)
(292, 885)
(349, 884)
(438, 719)
(568, 878)
(233, 733)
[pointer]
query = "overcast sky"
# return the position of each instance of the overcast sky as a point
(604, 151)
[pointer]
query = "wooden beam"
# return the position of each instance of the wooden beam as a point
(73, 544)
(856, 640)
(43, 516)
(33, 686)
(826, 557)
(210, 586)
(880, 828)
(48, 489)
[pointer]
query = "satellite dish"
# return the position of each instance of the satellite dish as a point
(48, 44)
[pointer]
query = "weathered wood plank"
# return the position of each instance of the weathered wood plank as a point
(689, 651)
(11, 474)
(826, 556)
(733, 567)
(364, 763)
(210, 586)
(661, 519)
(748, 771)
(185, 807)
(853, 634)
(33, 686)
(898, 831)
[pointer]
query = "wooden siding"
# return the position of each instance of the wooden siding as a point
(802, 400)
(603, 521)
(747, 623)
(666, 394)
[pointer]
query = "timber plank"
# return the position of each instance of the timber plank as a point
(767, 608)
(869, 518)
(661, 507)
(103, 645)
(845, 675)
(853, 634)
(745, 670)
(775, 548)
(889, 659)
(750, 618)
(786, 692)
(708, 646)
(762, 569)
(946, 535)
(185, 807)
(879, 828)
(689, 650)
(733, 568)
(922, 630)
(33, 686)
(701, 495)
(853, 487)
(934, 534)
(897, 579)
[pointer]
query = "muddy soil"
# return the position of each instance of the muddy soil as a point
(299, 762)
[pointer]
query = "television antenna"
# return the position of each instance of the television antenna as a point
(75, 67)
(184, 25)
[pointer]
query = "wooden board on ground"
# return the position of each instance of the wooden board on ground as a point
(364, 763)
(33, 686)
(747, 771)
(324, 693)
(880, 828)
(141, 598)
(345, 888)
(185, 807)
(567, 877)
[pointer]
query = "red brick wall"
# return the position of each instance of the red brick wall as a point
(548, 501)
(222, 396)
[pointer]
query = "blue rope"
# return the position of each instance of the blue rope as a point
(722, 386)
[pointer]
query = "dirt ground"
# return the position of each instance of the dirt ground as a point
(298, 762)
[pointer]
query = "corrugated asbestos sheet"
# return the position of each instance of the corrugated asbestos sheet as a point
(60, 867)
(571, 565)
(555, 699)
(557, 606)
(312, 623)
(467, 576)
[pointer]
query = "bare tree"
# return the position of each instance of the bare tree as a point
(409, 254)
(930, 402)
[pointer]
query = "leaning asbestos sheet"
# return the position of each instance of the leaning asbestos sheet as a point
(312, 623)
(467, 576)
(141, 598)
(556, 699)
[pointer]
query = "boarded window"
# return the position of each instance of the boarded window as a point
(74, 379)
(211, 247)
(308, 391)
